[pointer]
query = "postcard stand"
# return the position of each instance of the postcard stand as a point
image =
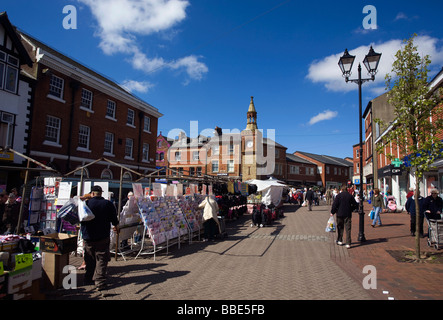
(167, 222)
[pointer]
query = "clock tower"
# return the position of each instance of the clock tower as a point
(249, 148)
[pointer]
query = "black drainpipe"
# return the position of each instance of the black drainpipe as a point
(74, 86)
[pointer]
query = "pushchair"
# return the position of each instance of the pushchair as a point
(435, 232)
(392, 204)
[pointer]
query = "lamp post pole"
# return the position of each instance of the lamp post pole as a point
(371, 63)
(361, 224)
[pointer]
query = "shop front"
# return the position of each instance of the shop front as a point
(393, 181)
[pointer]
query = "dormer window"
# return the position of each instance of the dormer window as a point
(9, 68)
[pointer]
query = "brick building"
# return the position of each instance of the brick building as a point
(79, 116)
(300, 171)
(331, 171)
(248, 155)
(386, 176)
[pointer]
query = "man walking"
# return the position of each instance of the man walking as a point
(309, 198)
(343, 205)
(96, 235)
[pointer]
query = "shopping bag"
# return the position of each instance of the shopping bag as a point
(372, 214)
(304, 204)
(69, 211)
(84, 213)
(330, 227)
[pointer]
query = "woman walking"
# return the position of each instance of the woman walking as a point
(378, 205)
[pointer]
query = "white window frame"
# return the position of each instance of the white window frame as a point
(55, 125)
(15, 70)
(215, 166)
(7, 65)
(130, 118)
(86, 100)
(231, 148)
(84, 135)
(106, 174)
(129, 149)
(294, 169)
(147, 124)
(111, 105)
(145, 152)
(127, 176)
(8, 119)
(56, 84)
(215, 150)
(231, 166)
(110, 143)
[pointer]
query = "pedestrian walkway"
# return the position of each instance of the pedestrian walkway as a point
(403, 280)
(294, 259)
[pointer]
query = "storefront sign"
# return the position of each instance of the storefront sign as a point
(390, 170)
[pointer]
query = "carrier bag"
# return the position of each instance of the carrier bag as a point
(84, 213)
(69, 211)
(372, 214)
(330, 227)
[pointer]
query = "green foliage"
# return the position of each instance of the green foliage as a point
(417, 128)
(412, 131)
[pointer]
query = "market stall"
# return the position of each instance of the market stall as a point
(271, 190)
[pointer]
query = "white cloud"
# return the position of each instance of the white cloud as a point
(120, 22)
(401, 16)
(325, 115)
(327, 72)
(194, 68)
(138, 86)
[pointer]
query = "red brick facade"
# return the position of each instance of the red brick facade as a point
(78, 116)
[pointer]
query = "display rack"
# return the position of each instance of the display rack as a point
(168, 221)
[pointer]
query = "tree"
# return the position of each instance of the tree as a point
(417, 128)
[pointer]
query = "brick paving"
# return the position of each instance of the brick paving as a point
(294, 259)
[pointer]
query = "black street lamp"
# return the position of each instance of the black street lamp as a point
(371, 63)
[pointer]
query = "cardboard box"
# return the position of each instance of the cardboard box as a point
(58, 243)
(19, 280)
(53, 265)
(30, 293)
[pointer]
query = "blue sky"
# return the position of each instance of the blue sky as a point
(202, 60)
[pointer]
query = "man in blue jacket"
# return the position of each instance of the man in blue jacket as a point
(96, 236)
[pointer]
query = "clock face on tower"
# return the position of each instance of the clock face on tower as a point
(249, 144)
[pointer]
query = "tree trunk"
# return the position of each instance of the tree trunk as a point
(417, 218)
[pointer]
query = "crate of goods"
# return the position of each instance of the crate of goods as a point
(58, 243)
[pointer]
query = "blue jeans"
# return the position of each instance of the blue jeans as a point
(377, 216)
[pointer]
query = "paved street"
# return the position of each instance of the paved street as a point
(294, 259)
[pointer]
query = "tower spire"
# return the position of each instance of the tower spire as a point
(251, 116)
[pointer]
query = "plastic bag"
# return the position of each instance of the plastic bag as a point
(330, 227)
(84, 213)
(372, 214)
(69, 211)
